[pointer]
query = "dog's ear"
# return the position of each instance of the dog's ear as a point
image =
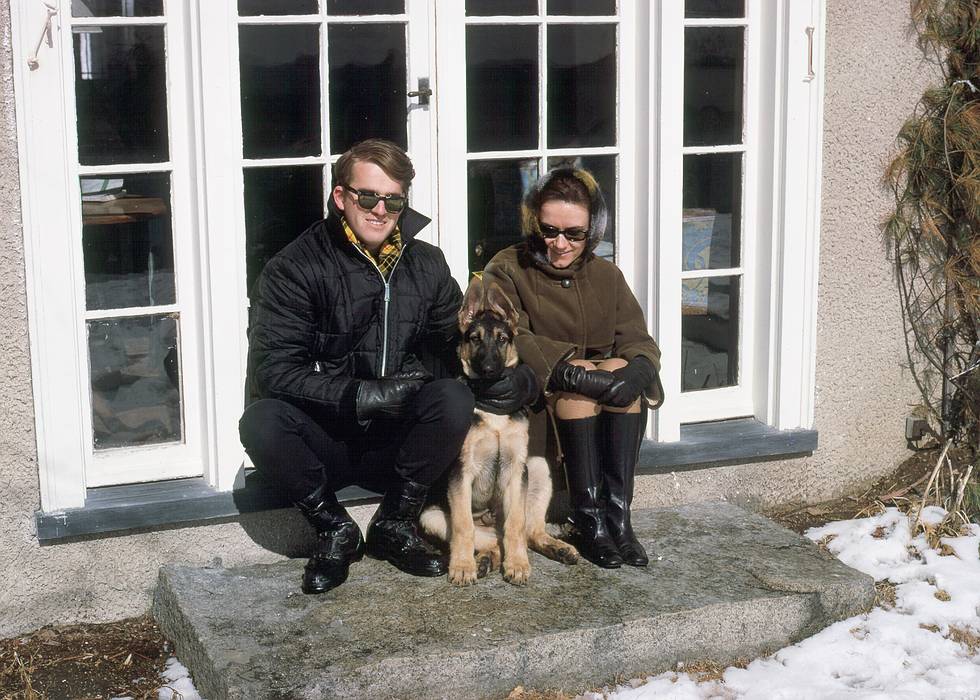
(500, 304)
(473, 303)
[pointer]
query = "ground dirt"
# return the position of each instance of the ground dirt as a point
(77, 662)
(125, 658)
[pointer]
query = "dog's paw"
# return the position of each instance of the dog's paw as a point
(487, 562)
(462, 573)
(517, 572)
(567, 554)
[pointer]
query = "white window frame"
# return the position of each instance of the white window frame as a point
(781, 216)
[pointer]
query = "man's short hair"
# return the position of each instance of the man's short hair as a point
(382, 153)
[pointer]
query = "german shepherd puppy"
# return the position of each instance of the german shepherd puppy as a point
(497, 497)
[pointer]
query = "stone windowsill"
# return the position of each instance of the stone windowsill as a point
(115, 509)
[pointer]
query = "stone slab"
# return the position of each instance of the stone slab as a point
(730, 584)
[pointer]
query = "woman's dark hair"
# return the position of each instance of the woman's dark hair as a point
(563, 187)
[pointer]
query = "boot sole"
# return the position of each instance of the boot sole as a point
(429, 573)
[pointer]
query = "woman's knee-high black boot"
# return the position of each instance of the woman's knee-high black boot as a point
(620, 445)
(579, 437)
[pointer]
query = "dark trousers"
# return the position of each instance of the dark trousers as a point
(300, 452)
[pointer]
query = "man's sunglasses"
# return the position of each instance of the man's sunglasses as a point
(571, 234)
(366, 199)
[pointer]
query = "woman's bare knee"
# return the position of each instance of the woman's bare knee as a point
(612, 363)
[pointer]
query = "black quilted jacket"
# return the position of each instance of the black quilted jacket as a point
(323, 317)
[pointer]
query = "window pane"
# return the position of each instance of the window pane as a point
(367, 84)
(121, 95)
(713, 76)
(280, 203)
(581, 7)
(248, 8)
(495, 191)
(712, 211)
(714, 8)
(365, 7)
(116, 8)
(604, 170)
(489, 8)
(280, 82)
(501, 87)
(709, 332)
(135, 371)
(127, 241)
(581, 85)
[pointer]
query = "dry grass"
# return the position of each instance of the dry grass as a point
(967, 637)
(885, 595)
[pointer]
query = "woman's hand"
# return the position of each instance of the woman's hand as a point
(574, 379)
(631, 381)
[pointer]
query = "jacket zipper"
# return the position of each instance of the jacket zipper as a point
(387, 284)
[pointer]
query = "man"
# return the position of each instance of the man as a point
(343, 318)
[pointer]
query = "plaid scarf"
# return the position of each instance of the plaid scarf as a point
(388, 253)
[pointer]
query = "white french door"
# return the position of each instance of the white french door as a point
(300, 81)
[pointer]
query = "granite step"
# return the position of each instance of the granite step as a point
(729, 585)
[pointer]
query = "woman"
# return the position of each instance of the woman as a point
(582, 332)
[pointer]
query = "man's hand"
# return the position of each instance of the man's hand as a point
(515, 389)
(574, 379)
(631, 381)
(388, 397)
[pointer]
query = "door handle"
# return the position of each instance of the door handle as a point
(423, 93)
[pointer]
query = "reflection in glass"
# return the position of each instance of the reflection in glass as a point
(367, 84)
(495, 190)
(603, 168)
(116, 8)
(714, 68)
(280, 203)
(135, 372)
(712, 211)
(709, 332)
(121, 95)
(581, 7)
(280, 91)
(127, 241)
(501, 87)
(490, 8)
(714, 8)
(365, 7)
(581, 85)
(250, 8)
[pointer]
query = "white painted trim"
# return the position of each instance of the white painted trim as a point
(223, 253)
(797, 220)
(668, 188)
(48, 263)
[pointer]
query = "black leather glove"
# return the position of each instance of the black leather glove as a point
(631, 381)
(578, 380)
(515, 389)
(387, 397)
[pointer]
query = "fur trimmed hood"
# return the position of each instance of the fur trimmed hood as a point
(531, 226)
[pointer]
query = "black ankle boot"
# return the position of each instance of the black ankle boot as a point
(621, 435)
(578, 437)
(338, 541)
(393, 533)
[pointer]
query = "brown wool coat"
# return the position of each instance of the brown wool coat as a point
(586, 311)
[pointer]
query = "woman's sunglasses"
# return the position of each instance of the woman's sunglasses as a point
(366, 199)
(571, 234)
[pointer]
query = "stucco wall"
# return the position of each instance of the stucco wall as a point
(873, 77)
